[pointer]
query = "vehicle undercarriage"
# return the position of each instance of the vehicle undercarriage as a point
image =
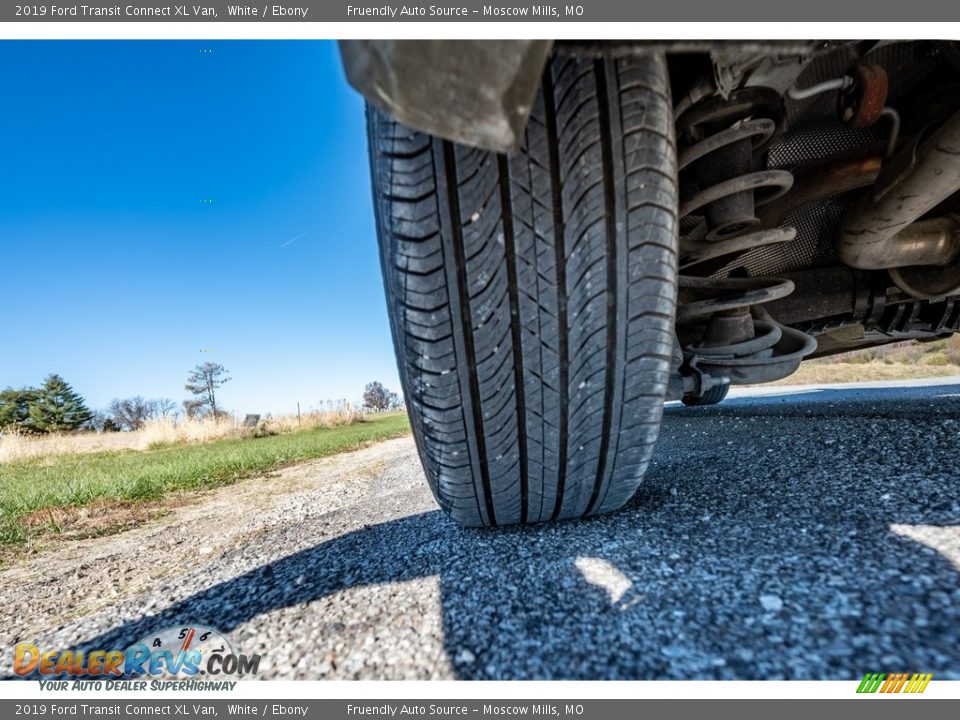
(573, 233)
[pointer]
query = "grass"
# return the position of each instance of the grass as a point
(30, 487)
(166, 431)
(896, 361)
(813, 374)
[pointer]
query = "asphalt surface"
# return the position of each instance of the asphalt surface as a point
(787, 533)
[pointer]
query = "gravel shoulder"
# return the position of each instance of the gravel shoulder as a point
(794, 534)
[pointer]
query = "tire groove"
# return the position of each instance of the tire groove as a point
(452, 198)
(609, 199)
(553, 163)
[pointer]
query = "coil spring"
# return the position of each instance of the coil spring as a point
(724, 331)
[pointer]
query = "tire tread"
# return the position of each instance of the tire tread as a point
(531, 296)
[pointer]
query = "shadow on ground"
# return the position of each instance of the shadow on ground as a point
(766, 542)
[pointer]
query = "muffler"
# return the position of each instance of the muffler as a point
(881, 233)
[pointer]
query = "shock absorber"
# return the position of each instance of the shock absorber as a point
(724, 333)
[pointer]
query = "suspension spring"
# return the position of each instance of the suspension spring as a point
(723, 331)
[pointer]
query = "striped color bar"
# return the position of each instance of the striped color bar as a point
(918, 683)
(894, 683)
(871, 682)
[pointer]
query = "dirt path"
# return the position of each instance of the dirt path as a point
(64, 580)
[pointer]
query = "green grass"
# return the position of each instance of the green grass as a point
(75, 480)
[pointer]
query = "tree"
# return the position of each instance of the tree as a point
(377, 397)
(164, 407)
(131, 413)
(57, 407)
(193, 408)
(102, 422)
(204, 380)
(15, 407)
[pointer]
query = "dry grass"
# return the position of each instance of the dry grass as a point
(100, 517)
(166, 431)
(896, 361)
(813, 373)
(23, 446)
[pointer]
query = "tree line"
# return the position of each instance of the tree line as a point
(55, 406)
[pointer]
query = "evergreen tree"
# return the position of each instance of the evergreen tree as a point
(57, 407)
(15, 407)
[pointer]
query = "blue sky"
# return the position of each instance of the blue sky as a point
(160, 199)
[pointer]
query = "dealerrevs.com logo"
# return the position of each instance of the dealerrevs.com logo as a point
(177, 652)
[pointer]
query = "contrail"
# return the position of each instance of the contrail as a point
(294, 239)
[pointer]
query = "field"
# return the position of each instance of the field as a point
(40, 494)
(166, 431)
(897, 361)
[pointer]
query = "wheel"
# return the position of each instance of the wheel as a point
(531, 296)
(712, 396)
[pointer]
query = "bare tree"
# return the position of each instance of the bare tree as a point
(165, 407)
(193, 408)
(204, 381)
(130, 413)
(377, 397)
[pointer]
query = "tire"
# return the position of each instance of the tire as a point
(531, 296)
(714, 395)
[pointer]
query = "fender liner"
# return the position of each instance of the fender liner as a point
(473, 92)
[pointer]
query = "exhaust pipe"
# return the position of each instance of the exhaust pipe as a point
(926, 242)
(878, 233)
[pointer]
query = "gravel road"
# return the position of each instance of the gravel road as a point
(788, 533)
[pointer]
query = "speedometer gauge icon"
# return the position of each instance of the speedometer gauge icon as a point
(199, 642)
